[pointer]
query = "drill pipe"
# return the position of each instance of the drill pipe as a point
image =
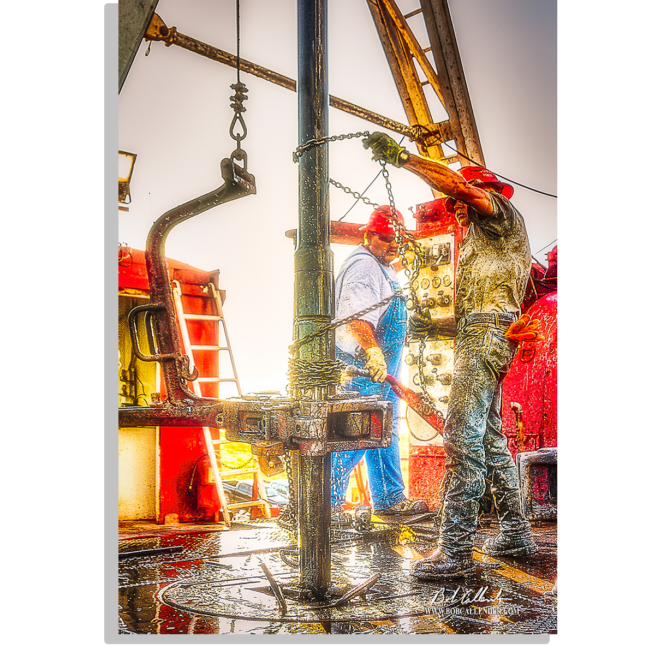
(313, 284)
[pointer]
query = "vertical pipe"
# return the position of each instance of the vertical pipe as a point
(313, 283)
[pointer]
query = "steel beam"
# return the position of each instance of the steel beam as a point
(403, 53)
(454, 91)
(159, 31)
(133, 19)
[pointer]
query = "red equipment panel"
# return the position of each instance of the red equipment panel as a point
(184, 487)
(532, 385)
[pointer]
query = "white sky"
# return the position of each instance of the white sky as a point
(174, 114)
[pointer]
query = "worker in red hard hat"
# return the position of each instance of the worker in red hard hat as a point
(492, 273)
(374, 341)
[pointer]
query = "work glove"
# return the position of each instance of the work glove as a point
(420, 323)
(524, 329)
(375, 364)
(384, 148)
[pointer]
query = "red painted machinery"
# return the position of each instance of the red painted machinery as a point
(184, 483)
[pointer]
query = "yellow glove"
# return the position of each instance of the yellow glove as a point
(375, 364)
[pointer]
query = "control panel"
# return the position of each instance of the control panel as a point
(435, 288)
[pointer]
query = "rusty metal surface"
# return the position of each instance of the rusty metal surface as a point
(314, 428)
(158, 31)
(216, 586)
(133, 19)
(454, 91)
(404, 54)
(160, 315)
(164, 414)
(538, 483)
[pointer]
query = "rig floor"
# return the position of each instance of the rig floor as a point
(208, 580)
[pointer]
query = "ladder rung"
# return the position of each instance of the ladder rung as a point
(250, 503)
(218, 442)
(412, 13)
(428, 49)
(207, 379)
(201, 317)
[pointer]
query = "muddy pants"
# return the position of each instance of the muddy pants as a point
(473, 440)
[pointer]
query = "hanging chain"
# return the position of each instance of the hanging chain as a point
(342, 321)
(408, 247)
(358, 196)
(289, 515)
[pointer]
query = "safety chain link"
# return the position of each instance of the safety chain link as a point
(323, 373)
(312, 143)
(408, 243)
(240, 94)
(242, 465)
(358, 196)
(289, 516)
(293, 348)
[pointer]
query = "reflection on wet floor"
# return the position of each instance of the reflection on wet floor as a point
(213, 583)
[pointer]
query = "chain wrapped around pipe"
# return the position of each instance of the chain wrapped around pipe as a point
(408, 247)
(305, 375)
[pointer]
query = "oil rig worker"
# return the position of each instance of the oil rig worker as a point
(375, 342)
(492, 274)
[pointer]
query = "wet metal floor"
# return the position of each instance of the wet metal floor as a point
(213, 583)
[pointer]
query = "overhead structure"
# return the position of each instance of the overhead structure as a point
(406, 57)
(133, 19)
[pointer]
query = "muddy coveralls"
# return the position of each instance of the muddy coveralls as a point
(493, 269)
(359, 282)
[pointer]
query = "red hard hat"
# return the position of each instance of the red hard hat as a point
(479, 176)
(380, 222)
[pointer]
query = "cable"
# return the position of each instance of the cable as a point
(502, 177)
(238, 40)
(363, 192)
(546, 246)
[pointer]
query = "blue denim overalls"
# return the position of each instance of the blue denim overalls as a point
(382, 464)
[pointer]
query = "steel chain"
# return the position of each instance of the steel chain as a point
(358, 196)
(312, 374)
(312, 143)
(412, 271)
(342, 321)
(406, 244)
(290, 511)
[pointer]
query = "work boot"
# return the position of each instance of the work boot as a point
(503, 545)
(440, 566)
(405, 507)
(339, 518)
